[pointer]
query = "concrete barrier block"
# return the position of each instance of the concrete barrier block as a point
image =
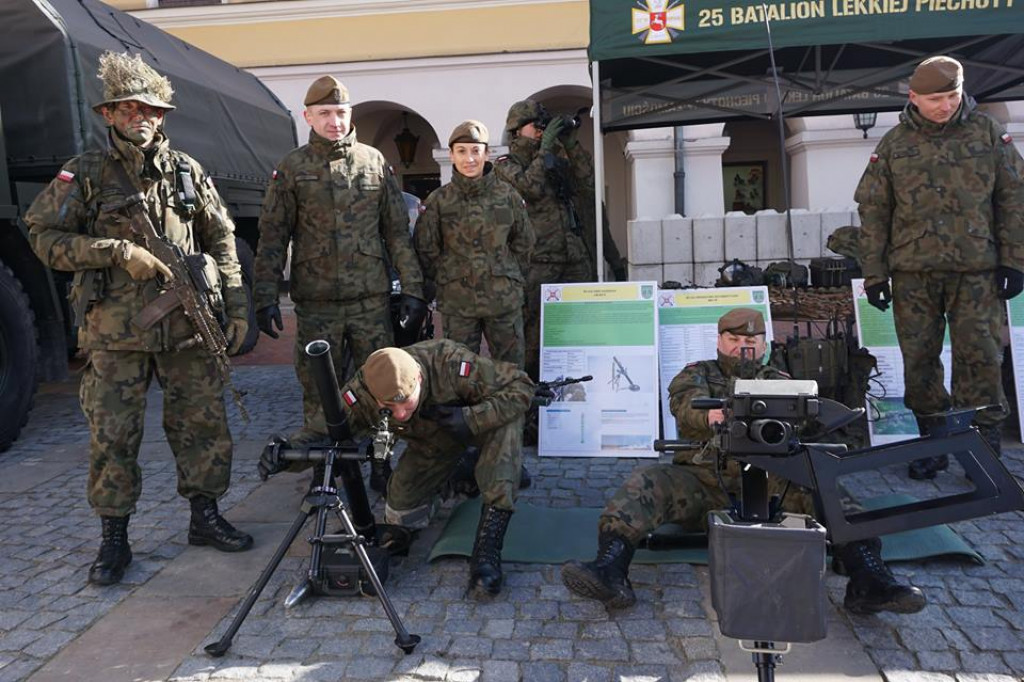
(679, 272)
(709, 239)
(706, 274)
(740, 237)
(677, 239)
(644, 238)
(771, 236)
(645, 273)
(806, 234)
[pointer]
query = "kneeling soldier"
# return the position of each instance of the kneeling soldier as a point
(686, 490)
(442, 398)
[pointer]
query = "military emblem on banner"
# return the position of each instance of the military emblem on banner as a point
(646, 291)
(658, 21)
(758, 296)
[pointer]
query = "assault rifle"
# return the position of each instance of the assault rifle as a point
(187, 289)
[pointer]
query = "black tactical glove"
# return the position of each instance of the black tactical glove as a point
(550, 136)
(267, 318)
(411, 312)
(270, 459)
(451, 418)
(879, 295)
(1009, 282)
(620, 271)
(542, 395)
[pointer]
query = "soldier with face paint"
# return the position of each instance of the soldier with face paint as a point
(942, 216)
(79, 223)
(686, 490)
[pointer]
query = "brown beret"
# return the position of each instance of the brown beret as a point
(937, 74)
(391, 375)
(742, 321)
(326, 90)
(469, 131)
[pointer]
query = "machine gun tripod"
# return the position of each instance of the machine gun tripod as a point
(360, 531)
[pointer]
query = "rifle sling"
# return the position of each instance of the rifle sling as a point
(157, 309)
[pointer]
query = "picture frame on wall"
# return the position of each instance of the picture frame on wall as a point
(744, 186)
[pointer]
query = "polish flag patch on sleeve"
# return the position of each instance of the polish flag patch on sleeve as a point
(874, 158)
(350, 398)
(65, 176)
(1006, 138)
(273, 176)
(465, 368)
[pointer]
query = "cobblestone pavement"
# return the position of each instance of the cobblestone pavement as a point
(972, 630)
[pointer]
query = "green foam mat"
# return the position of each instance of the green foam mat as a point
(547, 535)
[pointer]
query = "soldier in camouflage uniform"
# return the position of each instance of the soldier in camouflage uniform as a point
(443, 397)
(79, 223)
(474, 240)
(686, 490)
(555, 175)
(337, 202)
(942, 214)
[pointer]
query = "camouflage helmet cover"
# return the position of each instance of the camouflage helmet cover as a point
(127, 78)
(523, 112)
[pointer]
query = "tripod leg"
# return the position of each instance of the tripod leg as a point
(323, 498)
(220, 647)
(403, 640)
(764, 662)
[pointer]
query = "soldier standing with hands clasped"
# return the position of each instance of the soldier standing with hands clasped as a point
(942, 215)
(686, 490)
(338, 203)
(79, 223)
(474, 240)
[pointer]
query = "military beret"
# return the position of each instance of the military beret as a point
(469, 131)
(742, 321)
(391, 375)
(326, 90)
(937, 74)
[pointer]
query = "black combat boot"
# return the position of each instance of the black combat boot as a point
(485, 578)
(926, 468)
(208, 527)
(114, 555)
(872, 587)
(606, 577)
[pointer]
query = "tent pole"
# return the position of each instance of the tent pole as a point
(598, 173)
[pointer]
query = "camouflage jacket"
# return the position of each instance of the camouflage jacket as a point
(703, 379)
(524, 167)
(945, 198)
(474, 240)
(72, 222)
(339, 205)
(496, 393)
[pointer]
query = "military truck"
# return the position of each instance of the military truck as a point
(225, 118)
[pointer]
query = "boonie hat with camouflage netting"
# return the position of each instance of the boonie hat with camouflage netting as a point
(127, 78)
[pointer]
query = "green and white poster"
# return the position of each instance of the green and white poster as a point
(688, 330)
(889, 420)
(605, 330)
(1015, 315)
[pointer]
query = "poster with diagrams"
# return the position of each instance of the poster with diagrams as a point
(889, 420)
(688, 330)
(605, 330)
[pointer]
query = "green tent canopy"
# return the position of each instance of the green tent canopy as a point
(679, 62)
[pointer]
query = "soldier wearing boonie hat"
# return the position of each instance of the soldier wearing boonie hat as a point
(942, 241)
(442, 398)
(79, 224)
(684, 491)
(337, 203)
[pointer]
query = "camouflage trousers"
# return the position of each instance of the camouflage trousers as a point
(504, 334)
(113, 397)
(416, 486)
(363, 326)
(681, 494)
(922, 304)
(545, 273)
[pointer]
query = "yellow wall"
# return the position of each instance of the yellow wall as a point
(522, 28)
(127, 5)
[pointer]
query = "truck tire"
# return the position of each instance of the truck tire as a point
(247, 261)
(18, 356)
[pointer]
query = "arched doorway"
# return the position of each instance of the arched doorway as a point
(399, 132)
